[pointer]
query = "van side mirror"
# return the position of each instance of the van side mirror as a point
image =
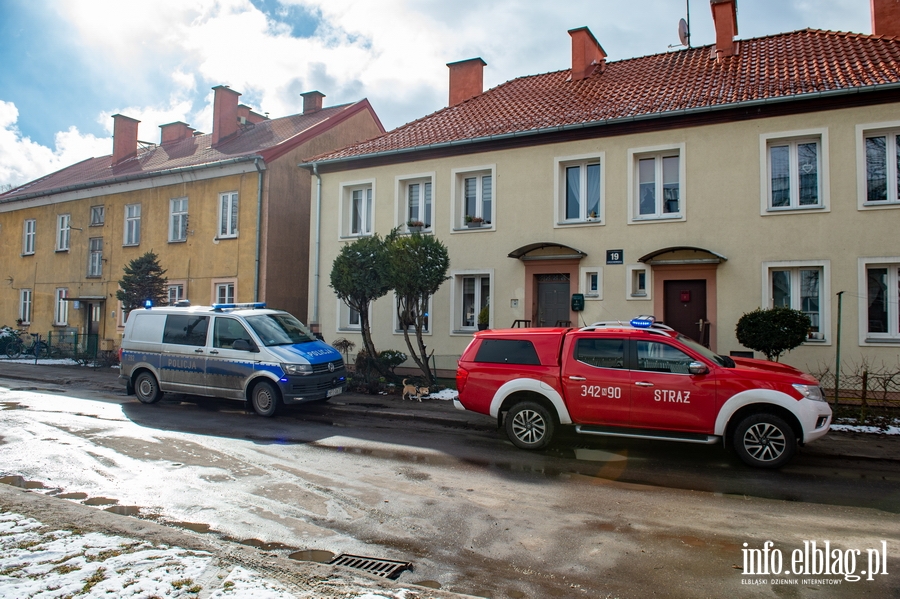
(244, 345)
(698, 368)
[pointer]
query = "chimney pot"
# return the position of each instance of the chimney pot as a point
(724, 14)
(885, 17)
(225, 113)
(466, 80)
(587, 54)
(312, 101)
(125, 130)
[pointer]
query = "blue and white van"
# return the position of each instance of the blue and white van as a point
(234, 351)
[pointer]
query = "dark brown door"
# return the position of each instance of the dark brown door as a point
(553, 300)
(685, 308)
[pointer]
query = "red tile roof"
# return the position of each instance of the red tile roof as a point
(268, 139)
(782, 66)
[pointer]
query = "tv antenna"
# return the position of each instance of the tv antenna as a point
(684, 29)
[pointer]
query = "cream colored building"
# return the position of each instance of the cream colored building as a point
(225, 212)
(695, 185)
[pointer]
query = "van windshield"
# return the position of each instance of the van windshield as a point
(280, 329)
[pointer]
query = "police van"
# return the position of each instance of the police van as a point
(235, 351)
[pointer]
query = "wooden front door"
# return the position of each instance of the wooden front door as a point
(685, 308)
(553, 300)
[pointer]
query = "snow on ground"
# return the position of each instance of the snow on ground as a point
(446, 394)
(855, 428)
(38, 562)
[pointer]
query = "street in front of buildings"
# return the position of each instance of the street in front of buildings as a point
(421, 482)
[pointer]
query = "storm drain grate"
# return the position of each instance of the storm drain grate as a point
(386, 568)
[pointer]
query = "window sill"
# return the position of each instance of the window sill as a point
(656, 219)
(354, 236)
(93, 276)
(178, 240)
(883, 340)
(349, 330)
(575, 223)
(221, 238)
(780, 209)
(884, 204)
(64, 251)
(59, 325)
(25, 255)
(130, 245)
(96, 224)
(474, 229)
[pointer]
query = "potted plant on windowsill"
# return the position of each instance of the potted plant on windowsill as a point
(484, 317)
(592, 216)
(414, 226)
(473, 222)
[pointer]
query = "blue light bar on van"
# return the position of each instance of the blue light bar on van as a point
(643, 322)
(249, 306)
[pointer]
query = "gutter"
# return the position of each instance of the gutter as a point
(614, 121)
(127, 178)
(315, 307)
(259, 194)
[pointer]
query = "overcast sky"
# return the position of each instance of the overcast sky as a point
(68, 65)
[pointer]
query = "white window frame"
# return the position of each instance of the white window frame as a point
(95, 257)
(792, 139)
(26, 305)
(60, 307)
(218, 284)
(560, 166)
(586, 275)
(63, 232)
(395, 322)
(178, 219)
(29, 234)
(176, 285)
(401, 195)
(875, 339)
(132, 233)
(457, 288)
(228, 217)
(458, 214)
(632, 292)
(347, 189)
(345, 316)
(121, 316)
(890, 130)
(824, 291)
(633, 182)
(98, 216)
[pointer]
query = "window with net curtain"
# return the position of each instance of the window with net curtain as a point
(658, 186)
(798, 289)
(794, 174)
(882, 297)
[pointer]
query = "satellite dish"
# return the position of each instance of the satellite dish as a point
(684, 34)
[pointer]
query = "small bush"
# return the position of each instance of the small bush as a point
(773, 332)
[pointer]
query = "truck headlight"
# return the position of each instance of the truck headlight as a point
(813, 392)
(301, 369)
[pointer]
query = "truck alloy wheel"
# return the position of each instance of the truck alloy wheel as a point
(764, 441)
(529, 425)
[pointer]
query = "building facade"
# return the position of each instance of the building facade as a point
(225, 212)
(695, 185)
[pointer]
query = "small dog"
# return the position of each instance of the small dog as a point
(413, 392)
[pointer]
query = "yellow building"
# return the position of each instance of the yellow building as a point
(226, 213)
(695, 185)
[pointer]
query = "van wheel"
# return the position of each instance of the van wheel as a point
(765, 441)
(529, 425)
(265, 398)
(147, 388)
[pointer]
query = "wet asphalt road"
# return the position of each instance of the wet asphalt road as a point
(589, 517)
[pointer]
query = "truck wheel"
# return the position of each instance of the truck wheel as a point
(146, 388)
(765, 441)
(529, 425)
(265, 399)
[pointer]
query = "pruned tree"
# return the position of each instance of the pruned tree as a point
(774, 331)
(418, 267)
(143, 280)
(359, 276)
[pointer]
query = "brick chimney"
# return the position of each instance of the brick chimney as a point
(172, 132)
(587, 54)
(125, 131)
(246, 115)
(312, 101)
(466, 80)
(724, 14)
(885, 17)
(225, 113)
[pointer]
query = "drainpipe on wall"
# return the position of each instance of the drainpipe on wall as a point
(314, 321)
(259, 192)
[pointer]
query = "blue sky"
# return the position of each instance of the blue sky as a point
(71, 64)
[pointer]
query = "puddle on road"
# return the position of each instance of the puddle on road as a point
(195, 526)
(598, 455)
(124, 510)
(12, 405)
(72, 496)
(430, 584)
(20, 482)
(312, 555)
(263, 545)
(100, 501)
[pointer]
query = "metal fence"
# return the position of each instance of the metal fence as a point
(862, 385)
(78, 346)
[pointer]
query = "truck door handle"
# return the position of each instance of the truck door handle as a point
(214, 352)
(577, 378)
(643, 384)
(199, 350)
